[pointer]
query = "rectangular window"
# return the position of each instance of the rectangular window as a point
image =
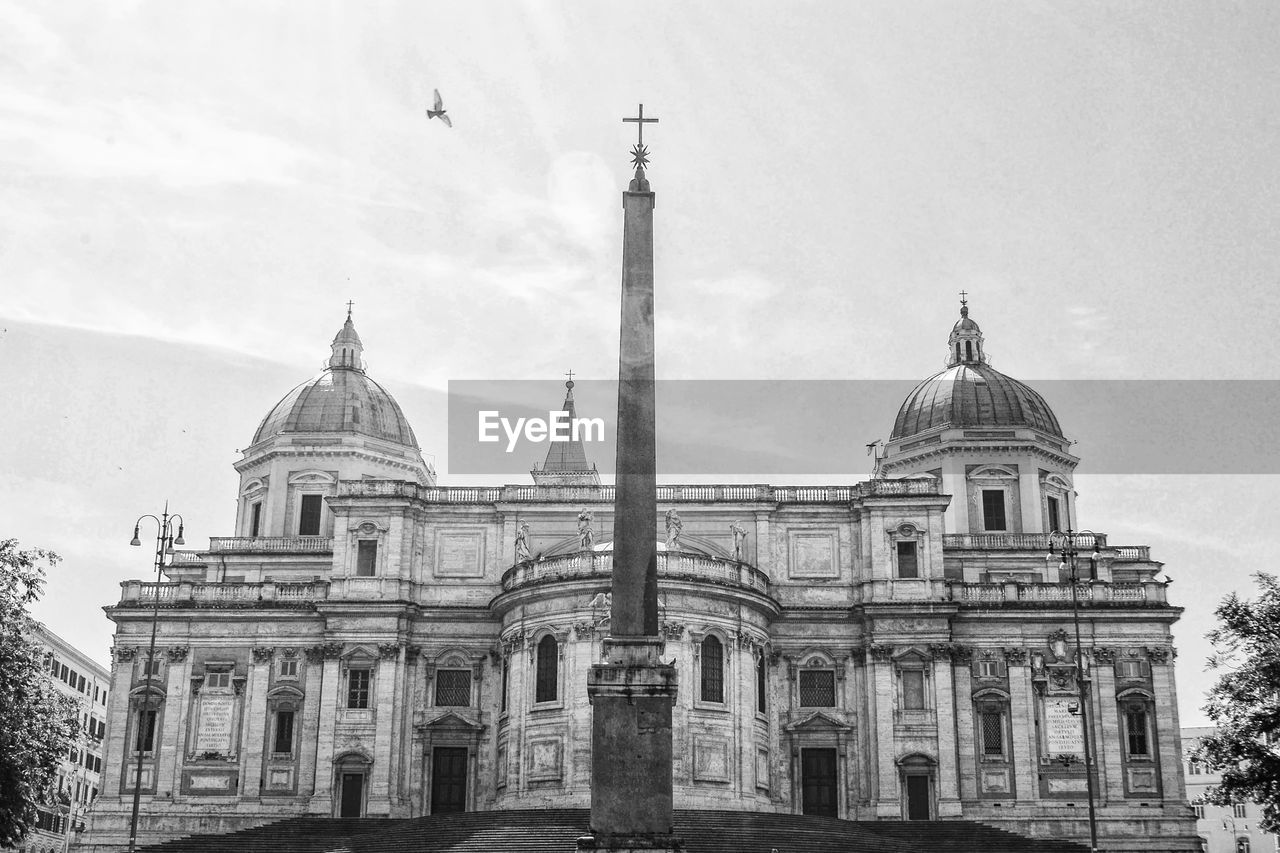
(255, 518)
(913, 689)
(1055, 522)
(289, 668)
(1135, 724)
(453, 687)
(283, 743)
(309, 521)
(993, 509)
(993, 733)
(908, 565)
(358, 688)
(817, 688)
(1129, 668)
(989, 668)
(80, 685)
(217, 678)
(54, 666)
(1199, 812)
(151, 668)
(366, 557)
(146, 730)
(1238, 810)
(506, 668)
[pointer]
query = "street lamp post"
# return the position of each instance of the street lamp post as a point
(1067, 546)
(165, 540)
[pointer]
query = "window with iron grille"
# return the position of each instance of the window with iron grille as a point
(817, 688)
(992, 720)
(1135, 726)
(547, 687)
(453, 687)
(358, 688)
(908, 563)
(712, 675)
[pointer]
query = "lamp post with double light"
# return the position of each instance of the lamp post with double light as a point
(165, 540)
(1067, 547)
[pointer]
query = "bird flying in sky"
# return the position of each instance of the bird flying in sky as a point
(439, 111)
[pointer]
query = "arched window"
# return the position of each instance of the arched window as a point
(712, 669)
(548, 675)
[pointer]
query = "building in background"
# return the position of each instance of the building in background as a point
(368, 642)
(1223, 829)
(78, 784)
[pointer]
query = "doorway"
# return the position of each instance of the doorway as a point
(918, 805)
(818, 782)
(351, 803)
(448, 779)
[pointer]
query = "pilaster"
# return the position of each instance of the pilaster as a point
(322, 798)
(253, 745)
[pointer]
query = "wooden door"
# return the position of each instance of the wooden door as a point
(448, 779)
(818, 782)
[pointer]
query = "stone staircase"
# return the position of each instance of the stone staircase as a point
(556, 831)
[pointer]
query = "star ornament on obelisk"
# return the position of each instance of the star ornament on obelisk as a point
(632, 692)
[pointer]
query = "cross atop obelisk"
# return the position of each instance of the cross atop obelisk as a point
(639, 153)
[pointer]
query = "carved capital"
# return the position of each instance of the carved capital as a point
(584, 630)
(324, 651)
(1158, 654)
(952, 651)
(176, 654)
(125, 653)
(672, 630)
(389, 651)
(1104, 654)
(881, 652)
(1015, 655)
(263, 654)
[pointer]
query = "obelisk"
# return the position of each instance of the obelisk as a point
(632, 691)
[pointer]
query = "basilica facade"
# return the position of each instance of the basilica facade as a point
(369, 642)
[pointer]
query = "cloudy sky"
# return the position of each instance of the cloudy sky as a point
(190, 193)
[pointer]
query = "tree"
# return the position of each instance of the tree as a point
(1245, 703)
(38, 724)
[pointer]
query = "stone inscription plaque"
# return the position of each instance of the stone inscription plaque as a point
(1062, 735)
(460, 554)
(214, 733)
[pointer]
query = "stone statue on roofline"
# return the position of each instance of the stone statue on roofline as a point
(586, 536)
(523, 554)
(674, 527)
(739, 541)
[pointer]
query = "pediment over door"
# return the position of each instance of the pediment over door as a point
(815, 723)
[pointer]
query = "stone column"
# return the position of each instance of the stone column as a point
(253, 745)
(322, 797)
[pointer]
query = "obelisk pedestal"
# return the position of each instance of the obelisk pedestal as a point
(632, 691)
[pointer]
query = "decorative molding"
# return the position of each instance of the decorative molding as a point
(263, 654)
(176, 654)
(289, 653)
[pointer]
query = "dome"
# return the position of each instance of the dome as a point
(341, 399)
(973, 395)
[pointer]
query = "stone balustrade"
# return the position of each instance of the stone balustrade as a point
(1040, 542)
(1057, 594)
(271, 545)
(192, 594)
(673, 565)
(665, 494)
